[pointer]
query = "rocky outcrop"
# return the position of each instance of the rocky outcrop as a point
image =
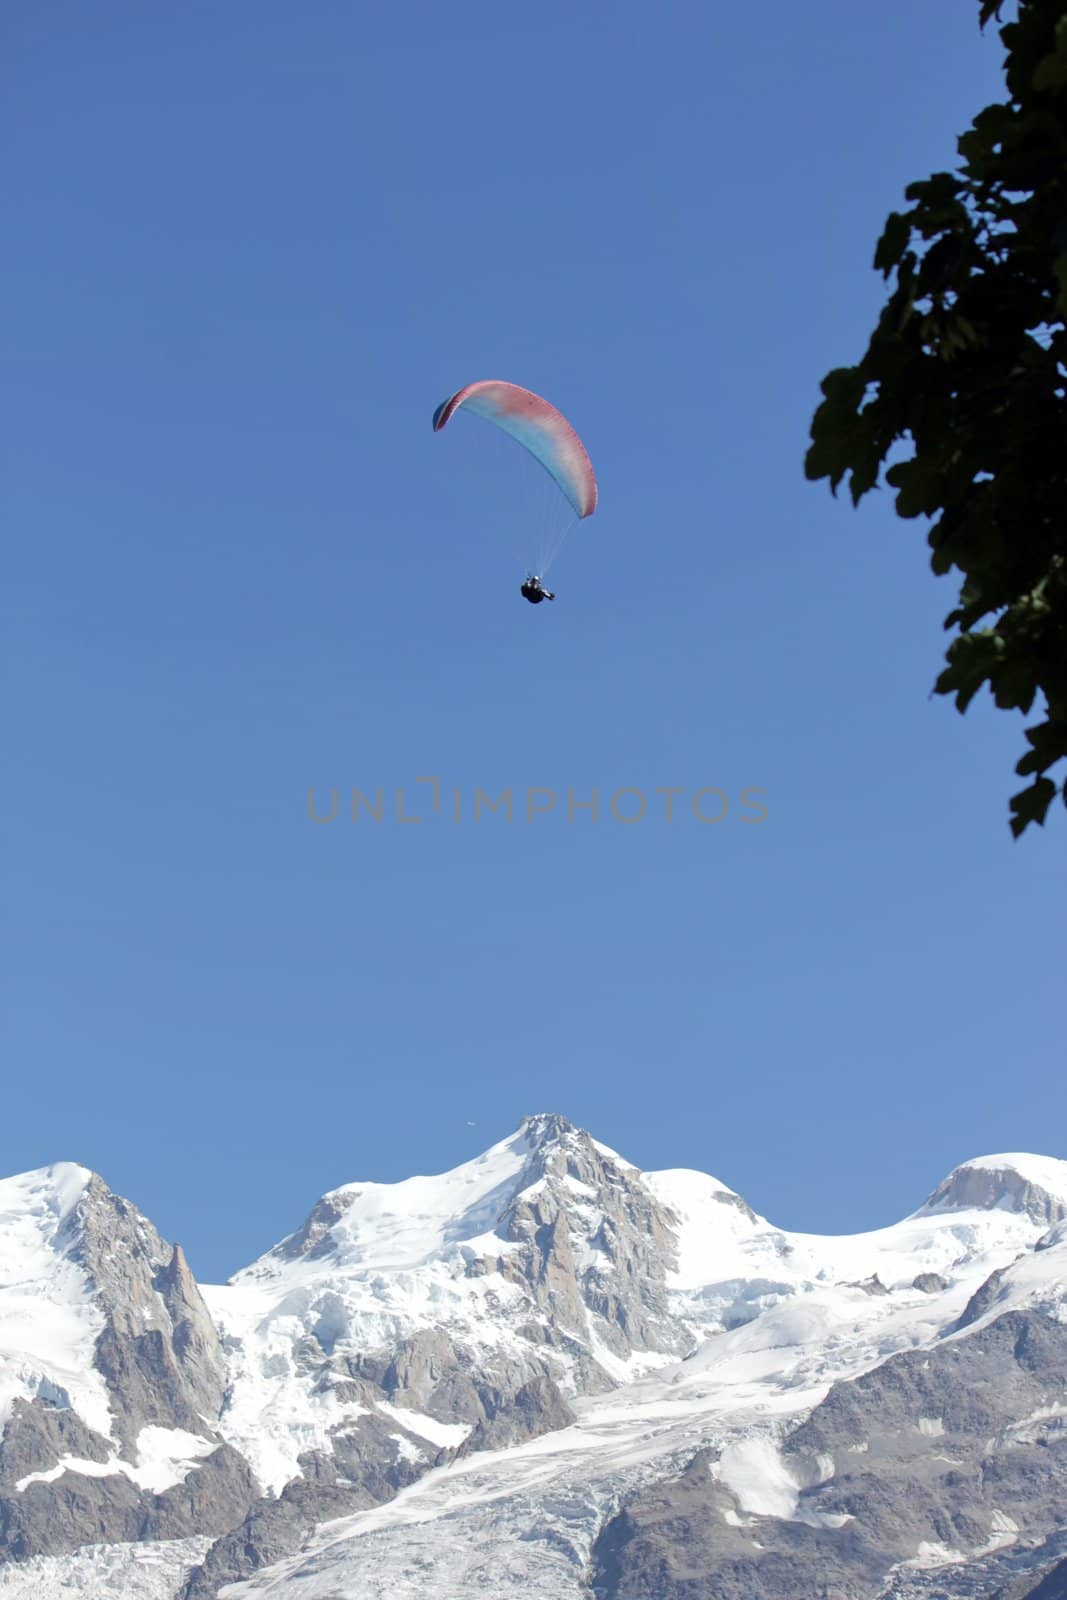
(405, 1327)
(159, 1351)
(62, 1485)
(535, 1408)
(588, 1249)
(58, 1516)
(871, 1285)
(595, 1247)
(979, 1186)
(370, 1460)
(313, 1240)
(1053, 1586)
(37, 1435)
(1011, 1572)
(961, 1449)
(982, 1301)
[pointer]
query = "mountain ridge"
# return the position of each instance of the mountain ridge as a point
(485, 1321)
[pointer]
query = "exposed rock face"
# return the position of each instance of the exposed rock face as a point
(983, 1298)
(159, 1350)
(1053, 1586)
(52, 1518)
(871, 1285)
(429, 1374)
(159, 1356)
(595, 1247)
(437, 1322)
(37, 1435)
(582, 1238)
(313, 1239)
(586, 1247)
(980, 1186)
(1011, 1572)
(956, 1449)
(536, 1408)
(370, 1460)
(424, 1373)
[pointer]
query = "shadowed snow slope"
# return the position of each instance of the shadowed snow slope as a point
(473, 1383)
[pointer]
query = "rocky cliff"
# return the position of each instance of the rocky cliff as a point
(542, 1372)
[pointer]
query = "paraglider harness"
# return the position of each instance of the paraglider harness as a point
(534, 590)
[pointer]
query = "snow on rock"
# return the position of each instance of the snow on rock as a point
(545, 1257)
(1032, 1279)
(394, 1227)
(165, 1456)
(756, 1476)
(445, 1435)
(110, 1376)
(1036, 1185)
(772, 1320)
(501, 1354)
(48, 1321)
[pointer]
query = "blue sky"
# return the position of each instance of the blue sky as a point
(249, 248)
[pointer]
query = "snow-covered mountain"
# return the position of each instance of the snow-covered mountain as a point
(112, 1380)
(542, 1373)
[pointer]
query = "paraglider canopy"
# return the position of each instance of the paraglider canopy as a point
(539, 427)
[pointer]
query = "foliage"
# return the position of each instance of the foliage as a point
(968, 367)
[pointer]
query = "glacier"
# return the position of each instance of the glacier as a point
(515, 1377)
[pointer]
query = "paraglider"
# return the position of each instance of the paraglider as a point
(546, 434)
(533, 589)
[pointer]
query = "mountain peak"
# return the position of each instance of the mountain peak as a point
(547, 1127)
(546, 1131)
(416, 1218)
(410, 1323)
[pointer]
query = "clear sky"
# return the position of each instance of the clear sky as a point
(247, 250)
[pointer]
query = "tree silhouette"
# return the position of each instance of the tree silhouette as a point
(960, 402)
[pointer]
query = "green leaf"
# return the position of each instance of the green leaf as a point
(893, 243)
(972, 659)
(844, 387)
(940, 189)
(827, 456)
(916, 485)
(1014, 684)
(1048, 742)
(1031, 805)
